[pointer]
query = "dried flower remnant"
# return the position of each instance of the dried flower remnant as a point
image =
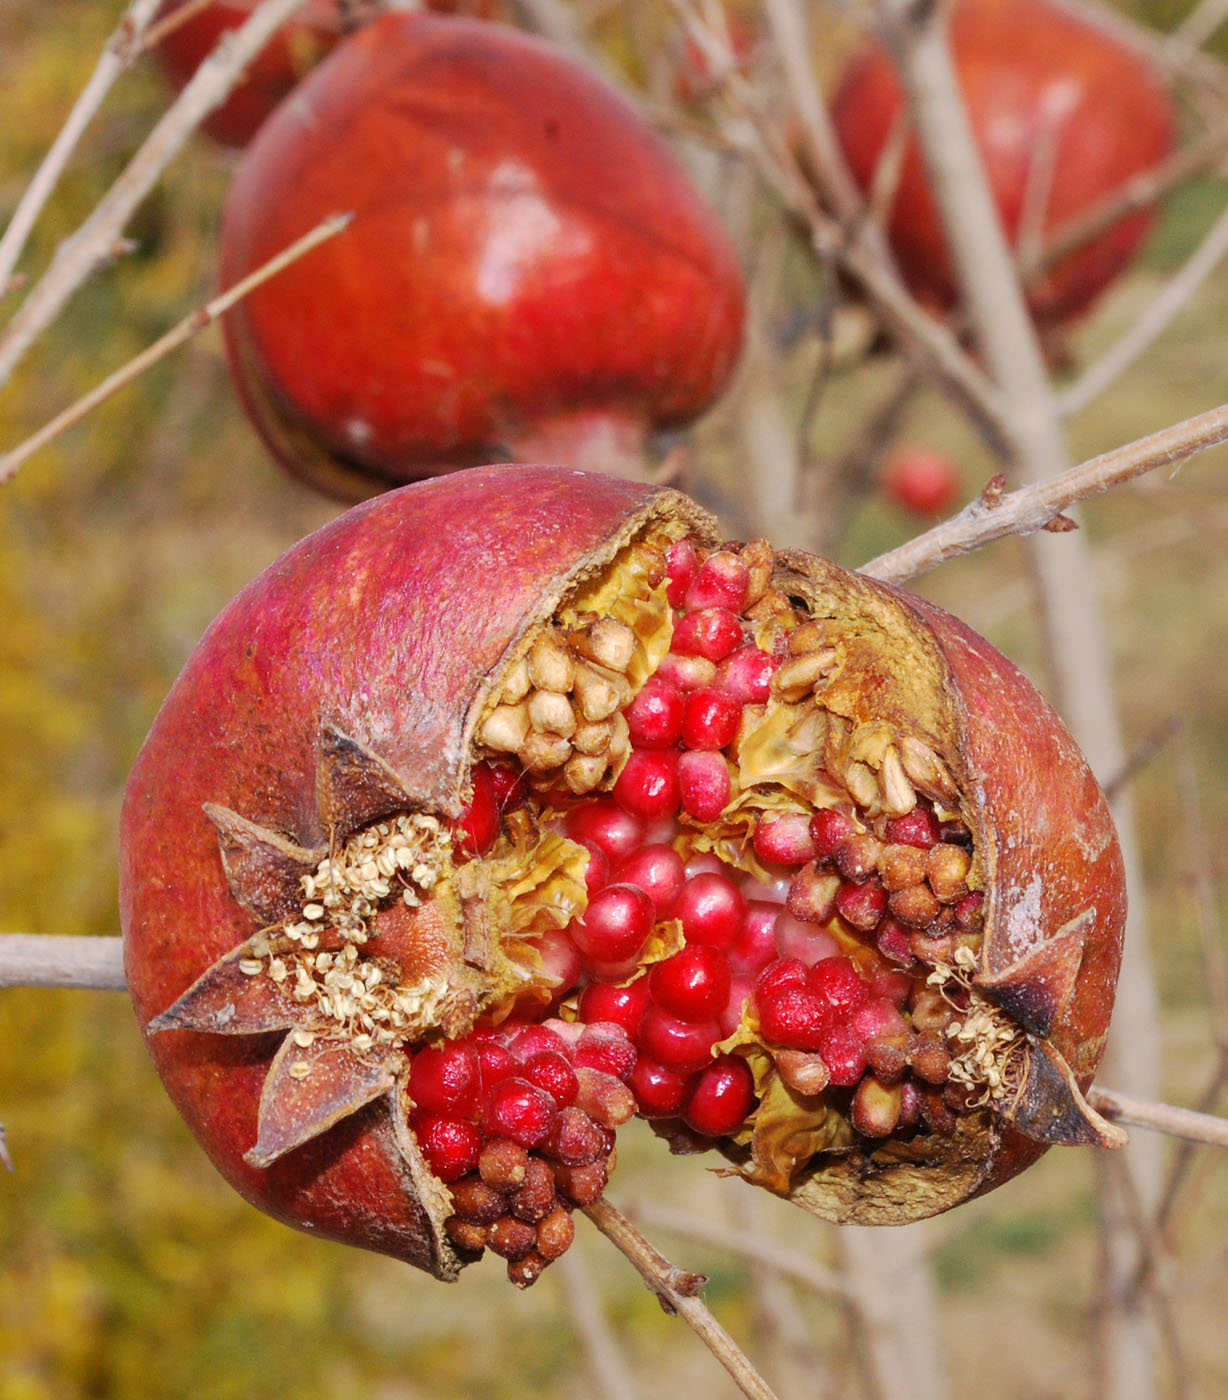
(521, 818)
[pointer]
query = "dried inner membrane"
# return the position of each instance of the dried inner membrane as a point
(693, 883)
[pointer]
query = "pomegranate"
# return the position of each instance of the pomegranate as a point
(1064, 114)
(529, 268)
(295, 49)
(408, 947)
(920, 479)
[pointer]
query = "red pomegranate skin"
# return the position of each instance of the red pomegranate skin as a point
(384, 626)
(1041, 84)
(293, 51)
(524, 250)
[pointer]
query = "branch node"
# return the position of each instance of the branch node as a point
(993, 491)
(1060, 525)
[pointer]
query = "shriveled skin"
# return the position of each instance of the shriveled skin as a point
(344, 684)
(525, 252)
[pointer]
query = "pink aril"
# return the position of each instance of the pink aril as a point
(782, 972)
(496, 1062)
(894, 942)
(804, 941)
(774, 891)
(526, 1041)
(477, 828)
(615, 925)
(654, 716)
(621, 1006)
(710, 719)
(839, 983)
(450, 1145)
(829, 829)
(813, 895)
(705, 863)
(723, 1095)
(704, 784)
(711, 633)
(862, 906)
(648, 785)
(659, 872)
(552, 1071)
(561, 961)
(712, 910)
(916, 828)
(597, 871)
(746, 674)
(722, 581)
(686, 672)
(755, 945)
(843, 1053)
(785, 840)
(681, 566)
(692, 984)
(878, 1018)
(680, 1045)
(605, 1046)
(793, 1015)
(741, 989)
(606, 825)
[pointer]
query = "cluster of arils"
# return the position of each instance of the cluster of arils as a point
(658, 826)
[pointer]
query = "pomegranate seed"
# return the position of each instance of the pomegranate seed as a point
(724, 1094)
(561, 962)
(792, 1015)
(892, 940)
(451, 1146)
(857, 856)
(785, 840)
(615, 925)
(496, 1062)
(875, 1110)
(654, 717)
(510, 786)
(970, 912)
(829, 829)
(446, 1079)
(681, 566)
(660, 1092)
(891, 984)
(597, 871)
(712, 910)
(526, 1041)
(711, 633)
(722, 581)
(605, 1098)
(704, 784)
(710, 719)
(839, 983)
(477, 827)
(519, 1111)
(784, 972)
(812, 895)
(747, 674)
(607, 826)
(552, 1071)
(575, 1138)
(862, 906)
(680, 1045)
(503, 1163)
(844, 1053)
(741, 989)
(648, 785)
(755, 945)
(606, 1047)
(693, 984)
(621, 1006)
(659, 872)
(878, 1018)
(686, 672)
(916, 828)
(804, 942)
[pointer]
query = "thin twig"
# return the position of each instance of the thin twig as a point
(993, 516)
(178, 335)
(61, 960)
(1160, 1117)
(678, 1292)
(121, 48)
(78, 256)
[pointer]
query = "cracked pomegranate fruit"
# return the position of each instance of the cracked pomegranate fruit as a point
(529, 272)
(485, 821)
(1064, 113)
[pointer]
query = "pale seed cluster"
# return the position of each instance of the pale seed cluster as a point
(560, 707)
(983, 1043)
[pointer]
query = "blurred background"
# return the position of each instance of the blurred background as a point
(127, 1268)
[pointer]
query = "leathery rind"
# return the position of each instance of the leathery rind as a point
(347, 682)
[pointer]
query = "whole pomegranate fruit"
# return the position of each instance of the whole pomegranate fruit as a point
(294, 50)
(486, 820)
(1064, 115)
(920, 479)
(529, 269)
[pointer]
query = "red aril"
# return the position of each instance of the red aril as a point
(921, 479)
(693, 984)
(616, 924)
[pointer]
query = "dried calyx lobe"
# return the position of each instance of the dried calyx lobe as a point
(586, 816)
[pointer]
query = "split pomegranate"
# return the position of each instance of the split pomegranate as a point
(409, 944)
(529, 271)
(1064, 114)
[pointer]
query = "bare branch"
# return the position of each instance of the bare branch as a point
(61, 960)
(122, 46)
(1160, 1117)
(191, 325)
(1031, 508)
(96, 239)
(678, 1292)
